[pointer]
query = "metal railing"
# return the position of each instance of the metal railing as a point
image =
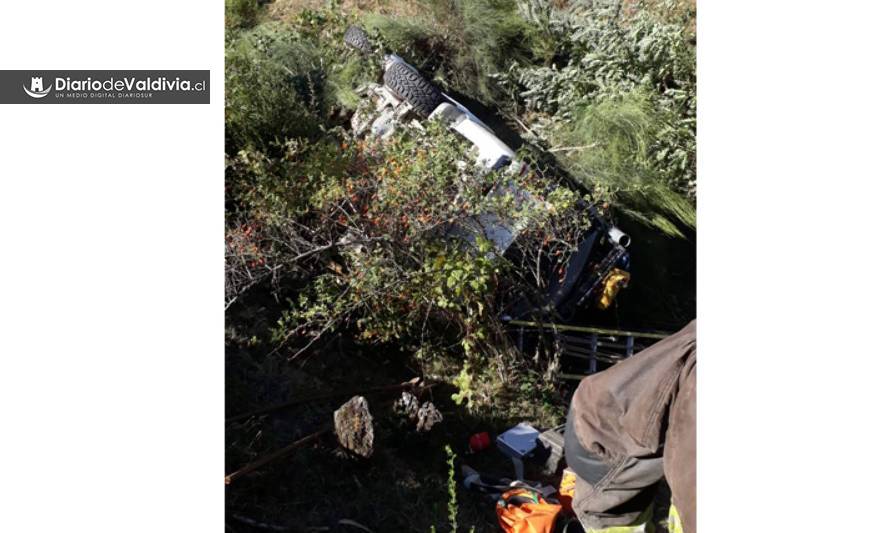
(591, 344)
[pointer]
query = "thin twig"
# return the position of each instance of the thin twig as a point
(259, 525)
(274, 456)
(570, 148)
(353, 523)
(526, 128)
(315, 338)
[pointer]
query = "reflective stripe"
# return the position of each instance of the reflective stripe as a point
(641, 528)
(673, 521)
(643, 525)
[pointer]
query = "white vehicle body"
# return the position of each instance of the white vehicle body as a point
(406, 98)
(384, 112)
(492, 152)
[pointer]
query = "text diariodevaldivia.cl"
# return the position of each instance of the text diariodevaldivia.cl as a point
(128, 84)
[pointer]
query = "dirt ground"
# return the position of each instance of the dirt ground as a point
(402, 487)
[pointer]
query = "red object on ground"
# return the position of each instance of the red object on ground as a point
(480, 441)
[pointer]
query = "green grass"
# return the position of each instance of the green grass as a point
(608, 146)
(462, 42)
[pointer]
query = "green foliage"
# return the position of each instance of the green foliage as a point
(289, 81)
(400, 265)
(274, 189)
(345, 77)
(372, 235)
(609, 145)
(452, 490)
(465, 389)
(327, 233)
(461, 43)
(579, 75)
(623, 90)
(241, 14)
(406, 36)
(274, 87)
(452, 493)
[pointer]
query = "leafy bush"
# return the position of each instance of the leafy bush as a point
(274, 87)
(286, 81)
(385, 225)
(367, 238)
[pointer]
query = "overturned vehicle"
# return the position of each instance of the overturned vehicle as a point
(598, 266)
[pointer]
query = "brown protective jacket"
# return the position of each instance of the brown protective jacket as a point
(629, 426)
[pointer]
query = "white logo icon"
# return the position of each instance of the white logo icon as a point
(37, 90)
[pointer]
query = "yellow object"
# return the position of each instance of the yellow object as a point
(567, 489)
(616, 280)
(567, 493)
(673, 521)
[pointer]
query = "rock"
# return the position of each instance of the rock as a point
(427, 417)
(407, 405)
(353, 425)
(424, 416)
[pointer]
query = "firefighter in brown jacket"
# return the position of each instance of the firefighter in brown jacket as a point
(628, 427)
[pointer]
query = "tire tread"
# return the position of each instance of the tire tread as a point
(411, 86)
(358, 39)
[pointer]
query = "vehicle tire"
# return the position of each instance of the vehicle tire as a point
(358, 39)
(411, 86)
